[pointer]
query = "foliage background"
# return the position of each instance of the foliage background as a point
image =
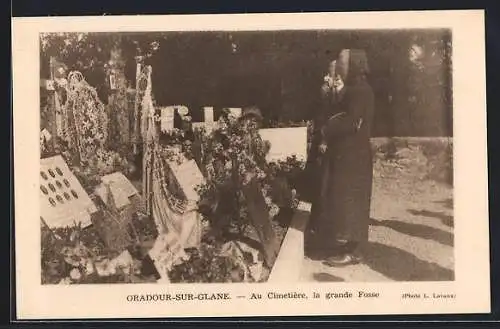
(280, 72)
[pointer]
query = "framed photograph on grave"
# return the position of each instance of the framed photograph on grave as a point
(112, 81)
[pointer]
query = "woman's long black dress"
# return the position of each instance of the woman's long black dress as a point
(342, 209)
(314, 169)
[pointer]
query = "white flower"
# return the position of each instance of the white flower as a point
(112, 269)
(72, 260)
(182, 110)
(89, 268)
(177, 261)
(126, 270)
(274, 210)
(65, 281)
(155, 45)
(261, 175)
(73, 236)
(91, 115)
(102, 268)
(75, 274)
(62, 82)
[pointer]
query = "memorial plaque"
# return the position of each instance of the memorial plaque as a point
(286, 142)
(167, 119)
(188, 176)
(208, 114)
(63, 201)
(120, 186)
(112, 82)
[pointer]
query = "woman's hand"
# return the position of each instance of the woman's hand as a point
(338, 83)
(325, 89)
(329, 81)
(322, 148)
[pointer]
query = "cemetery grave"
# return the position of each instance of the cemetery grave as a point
(216, 201)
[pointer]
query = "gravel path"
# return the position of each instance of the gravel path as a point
(411, 236)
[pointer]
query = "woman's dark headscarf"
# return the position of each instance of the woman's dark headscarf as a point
(352, 65)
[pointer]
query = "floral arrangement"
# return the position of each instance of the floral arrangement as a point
(231, 156)
(85, 122)
(103, 162)
(78, 255)
(176, 139)
(68, 254)
(207, 265)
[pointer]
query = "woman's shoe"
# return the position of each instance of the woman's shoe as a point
(342, 260)
(358, 258)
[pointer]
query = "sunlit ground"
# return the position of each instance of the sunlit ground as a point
(411, 231)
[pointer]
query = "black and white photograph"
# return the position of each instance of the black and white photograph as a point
(247, 156)
(369, 177)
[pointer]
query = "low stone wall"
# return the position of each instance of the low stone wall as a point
(422, 158)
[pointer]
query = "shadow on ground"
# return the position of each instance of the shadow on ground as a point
(416, 230)
(445, 219)
(394, 263)
(325, 277)
(400, 265)
(447, 203)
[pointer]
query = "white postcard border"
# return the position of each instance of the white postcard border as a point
(471, 285)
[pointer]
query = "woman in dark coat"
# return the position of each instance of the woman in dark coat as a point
(341, 211)
(323, 110)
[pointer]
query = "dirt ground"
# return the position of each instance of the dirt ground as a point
(411, 231)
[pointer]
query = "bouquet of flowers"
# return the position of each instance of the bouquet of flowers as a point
(233, 155)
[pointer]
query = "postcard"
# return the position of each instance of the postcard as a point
(250, 165)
